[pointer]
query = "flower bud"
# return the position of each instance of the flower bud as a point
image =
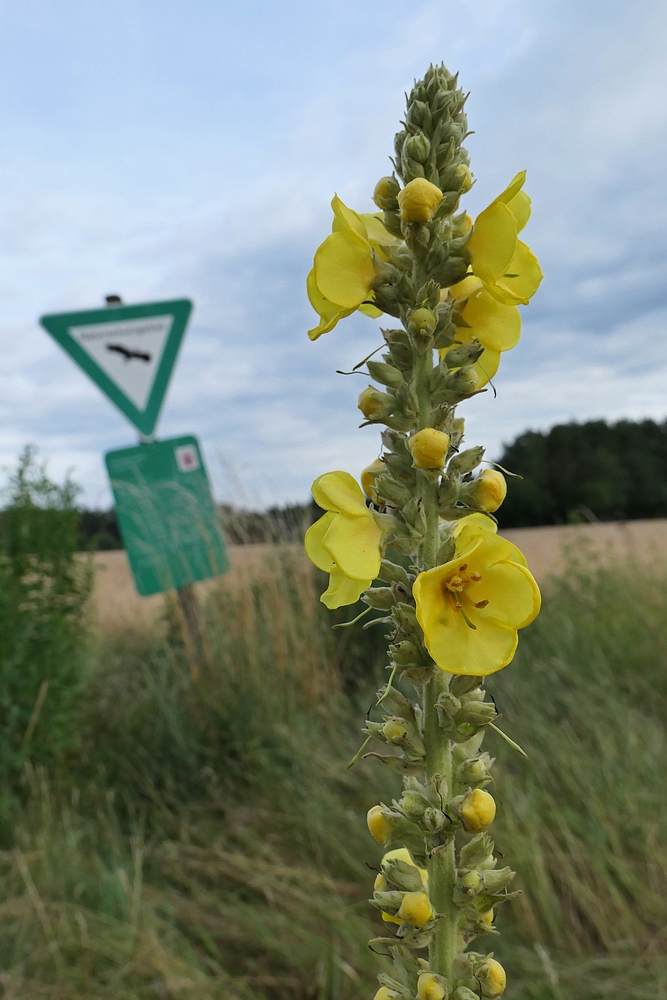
(486, 919)
(478, 810)
(463, 993)
(429, 448)
(413, 804)
(384, 994)
(381, 828)
(394, 731)
(422, 321)
(416, 909)
(473, 771)
(461, 225)
(431, 987)
(470, 883)
(463, 177)
(464, 380)
(466, 461)
(463, 354)
(492, 978)
(418, 200)
(385, 374)
(375, 405)
(386, 193)
(490, 489)
(417, 147)
(369, 477)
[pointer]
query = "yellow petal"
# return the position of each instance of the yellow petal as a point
(370, 310)
(479, 521)
(492, 243)
(329, 313)
(313, 543)
(376, 232)
(512, 188)
(513, 595)
(346, 219)
(486, 366)
(526, 279)
(495, 325)
(343, 591)
(354, 545)
(464, 289)
(519, 206)
(339, 491)
(344, 269)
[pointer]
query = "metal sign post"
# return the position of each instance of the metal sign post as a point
(165, 509)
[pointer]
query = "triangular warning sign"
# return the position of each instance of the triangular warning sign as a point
(128, 351)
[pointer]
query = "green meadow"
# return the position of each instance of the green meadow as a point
(204, 840)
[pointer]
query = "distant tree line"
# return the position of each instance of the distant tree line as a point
(593, 471)
(586, 472)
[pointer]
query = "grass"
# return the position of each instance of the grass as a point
(205, 841)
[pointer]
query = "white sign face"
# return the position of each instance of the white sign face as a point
(128, 352)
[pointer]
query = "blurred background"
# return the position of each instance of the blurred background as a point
(183, 826)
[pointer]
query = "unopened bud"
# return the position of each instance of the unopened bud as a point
(384, 994)
(417, 147)
(386, 193)
(416, 909)
(375, 405)
(463, 177)
(463, 354)
(473, 771)
(394, 731)
(463, 993)
(431, 987)
(381, 828)
(422, 321)
(413, 804)
(369, 477)
(461, 225)
(471, 883)
(486, 919)
(492, 979)
(466, 461)
(478, 810)
(490, 489)
(419, 200)
(429, 448)
(385, 374)
(464, 380)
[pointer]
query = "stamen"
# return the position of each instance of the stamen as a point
(467, 621)
(476, 577)
(481, 604)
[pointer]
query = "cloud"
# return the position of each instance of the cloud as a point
(201, 161)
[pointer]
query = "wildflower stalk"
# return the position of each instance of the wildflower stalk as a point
(451, 592)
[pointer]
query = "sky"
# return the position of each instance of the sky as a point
(160, 149)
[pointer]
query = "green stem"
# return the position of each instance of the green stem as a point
(442, 866)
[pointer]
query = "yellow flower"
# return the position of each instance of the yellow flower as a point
(344, 267)
(492, 978)
(471, 607)
(380, 828)
(429, 987)
(416, 909)
(429, 448)
(478, 811)
(418, 200)
(496, 326)
(508, 268)
(369, 477)
(345, 542)
(490, 489)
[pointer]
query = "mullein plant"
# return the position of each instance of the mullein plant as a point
(454, 603)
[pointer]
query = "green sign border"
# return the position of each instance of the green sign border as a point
(58, 324)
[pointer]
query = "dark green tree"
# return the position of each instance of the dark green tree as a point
(590, 471)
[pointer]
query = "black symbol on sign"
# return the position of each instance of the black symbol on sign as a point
(129, 354)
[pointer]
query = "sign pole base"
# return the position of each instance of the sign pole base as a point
(193, 630)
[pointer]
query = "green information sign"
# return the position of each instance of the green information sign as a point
(128, 351)
(166, 514)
